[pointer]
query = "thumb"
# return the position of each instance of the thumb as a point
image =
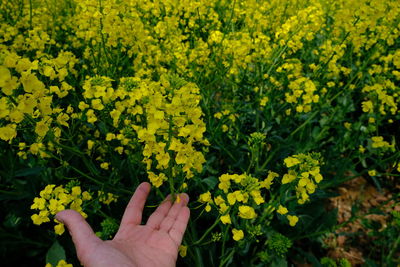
(82, 234)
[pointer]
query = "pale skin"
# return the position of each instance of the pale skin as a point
(154, 244)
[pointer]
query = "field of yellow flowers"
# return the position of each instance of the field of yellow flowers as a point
(261, 111)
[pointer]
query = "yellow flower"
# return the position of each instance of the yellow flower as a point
(157, 180)
(219, 200)
(46, 192)
(224, 186)
(293, 219)
(42, 128)
(96, 104)
(86, 196)
(318, 178)
(110, 136)
(106, 198)
(264, 101)
(83, 105)
(8, 132)
(38, 219)
(38, 203)
(226, 219)
(90, 144)
(182, 250)
(231, 198)
(104, 165)
(205, 197)
(268, 181)
(207, 208)
(31, 83)
(59, 229)
(291, 161)
(367, 106)
(76, 191)
(330, 84)
(282, 210)
(372, 172)
(237, 234)
(218, 115)
(288, 177)
(63, 263)
(223, 208)
(5, 75)
(247, 212)
(258, 199)
(62, 119)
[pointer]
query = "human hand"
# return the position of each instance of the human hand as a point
(154, 244)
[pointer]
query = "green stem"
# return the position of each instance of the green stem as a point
(193, 235)
(170, 163)
(395, 245)
(251, 160)
(268, 160)
(227, 258)
(304, 123)
(97, 181)
(226, 151)
(207, 232)
(223, 246)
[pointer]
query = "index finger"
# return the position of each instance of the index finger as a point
(134, 210)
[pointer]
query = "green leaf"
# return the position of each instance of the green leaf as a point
(211, 182)
(377, 184)
(29, 171)
(279, 262)
(55, 253)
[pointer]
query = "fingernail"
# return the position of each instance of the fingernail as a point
(185, 197)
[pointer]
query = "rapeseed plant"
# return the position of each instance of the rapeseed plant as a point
(236, 103)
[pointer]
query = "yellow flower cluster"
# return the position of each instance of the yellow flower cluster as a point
(227, 118)
(54, 199)
(383, 97)
(304, 25)
(160, 115)
(207, 199)
(293, 219)
(27, 101)
(156, 37)
(174, 126)
(106, 198)
(304, 174)
(241, 197)
(302, 93)
(379, 142)
(164, 116)
(240, 194)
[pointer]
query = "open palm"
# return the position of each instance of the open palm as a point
(153, 244)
